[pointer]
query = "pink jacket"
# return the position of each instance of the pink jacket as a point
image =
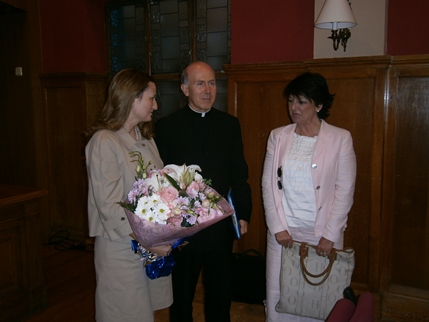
(333, 172)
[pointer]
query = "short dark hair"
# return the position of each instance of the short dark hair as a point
(314, 87)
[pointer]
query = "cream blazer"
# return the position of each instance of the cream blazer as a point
(333, 172)
(111, 175)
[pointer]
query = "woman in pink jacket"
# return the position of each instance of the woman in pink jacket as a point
(308, 181)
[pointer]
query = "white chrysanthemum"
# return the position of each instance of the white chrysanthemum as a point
(143, 208)
(161, 212)
(154, 200)
(153, 209)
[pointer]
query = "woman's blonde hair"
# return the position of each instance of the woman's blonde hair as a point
(125, 87)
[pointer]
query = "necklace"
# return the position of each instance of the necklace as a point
(137, 132)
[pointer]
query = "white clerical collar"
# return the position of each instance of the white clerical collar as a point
(203, 114)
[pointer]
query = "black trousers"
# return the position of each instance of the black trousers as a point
(216, 266)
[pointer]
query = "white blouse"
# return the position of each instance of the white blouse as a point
(299, 199)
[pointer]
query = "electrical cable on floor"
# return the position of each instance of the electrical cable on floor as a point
(62, 241)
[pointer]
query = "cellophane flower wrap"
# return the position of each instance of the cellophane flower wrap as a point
(169, 204)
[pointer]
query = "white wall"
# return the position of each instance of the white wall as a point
(368, 37)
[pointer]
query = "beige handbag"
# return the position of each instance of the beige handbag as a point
(310, 284)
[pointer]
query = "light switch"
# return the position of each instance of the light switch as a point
(18, 71)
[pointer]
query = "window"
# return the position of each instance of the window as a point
(162, 37)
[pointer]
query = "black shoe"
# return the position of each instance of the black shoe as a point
(350, 295)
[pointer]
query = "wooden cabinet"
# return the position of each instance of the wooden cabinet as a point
(21, 278)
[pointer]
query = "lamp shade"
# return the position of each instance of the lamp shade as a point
(335, 14)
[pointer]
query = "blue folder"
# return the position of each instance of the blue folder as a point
(234, 217)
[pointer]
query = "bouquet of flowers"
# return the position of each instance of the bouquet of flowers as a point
(167, 205)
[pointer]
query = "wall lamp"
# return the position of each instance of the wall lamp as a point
(337, 15)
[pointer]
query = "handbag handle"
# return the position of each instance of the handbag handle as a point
(303, 253)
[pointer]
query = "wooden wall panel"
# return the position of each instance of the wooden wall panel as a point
(405, 265)
(17, 142)
(411, 183)
(21, 282)
(71, 102)
(65, 111)
(384, 103)
(256, 96)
